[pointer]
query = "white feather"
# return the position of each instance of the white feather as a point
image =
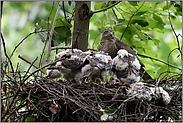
(136, 64)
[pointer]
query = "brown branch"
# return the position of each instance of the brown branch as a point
(106, 8)
(159, 61)
(6, 53)
(174, 31)
(131, 19)
(30, 67)
(64, 12)
(21, 83)
(23, 41)
(51, 33)
(5, 120)
(29, 62)
(36, 107)
(40, 61)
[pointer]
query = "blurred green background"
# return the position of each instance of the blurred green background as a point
(149, 30)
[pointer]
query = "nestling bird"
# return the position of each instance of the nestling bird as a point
(97, 65)
(148, 92)
(70, 65)
(126, 67)
(111, 45)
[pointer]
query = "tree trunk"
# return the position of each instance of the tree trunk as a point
(81, 25)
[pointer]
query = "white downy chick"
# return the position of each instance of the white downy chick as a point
(126, 67)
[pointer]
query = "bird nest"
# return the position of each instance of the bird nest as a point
(43, 99)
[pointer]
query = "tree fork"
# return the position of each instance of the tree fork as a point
(81, 25)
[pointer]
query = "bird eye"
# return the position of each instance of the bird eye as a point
(106, 32)
(113, 33)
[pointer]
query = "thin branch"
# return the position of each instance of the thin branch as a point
(22, 41)
(68, 47)
(96, 38)
(41, 61)
(51, 33)
(36, 107)
(5, 120)
(7, 54)
(106, 8)
(30, 67)
(64, 12)
(174, 30)
(29, 62)
(159, 61)
(131, 19)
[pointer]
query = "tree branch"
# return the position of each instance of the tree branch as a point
(22, 42)
(29, 62)
(174, 31)
(51, 33)
(131, 19)
(41, 59)
(104, 9)
(7, 54)
(159, 61)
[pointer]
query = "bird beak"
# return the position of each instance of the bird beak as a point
(110, 33)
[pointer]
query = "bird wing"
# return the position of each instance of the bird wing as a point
(122, 73)
(72, 64)
(95, 62)
(123, 45)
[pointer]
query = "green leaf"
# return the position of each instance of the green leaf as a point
(169, 6)
(141, 36)
(156, 41)
(178, 9)
(140, 13)
(159, 22)
(161, 70)
(99, 6)
(61, 34)
(141, 22)
(133, 3)
(30, 119)
(43, 24)
(62, 23)
(120, 20)
(158, 19)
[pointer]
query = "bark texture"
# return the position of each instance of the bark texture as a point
(81, 25)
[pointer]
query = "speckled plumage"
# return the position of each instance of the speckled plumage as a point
(98, 65)
(126, 67)
(70, 65)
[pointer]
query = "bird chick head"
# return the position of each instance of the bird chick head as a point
(108, 34)
(122, 53)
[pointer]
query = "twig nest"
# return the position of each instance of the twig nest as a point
(126, 67)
